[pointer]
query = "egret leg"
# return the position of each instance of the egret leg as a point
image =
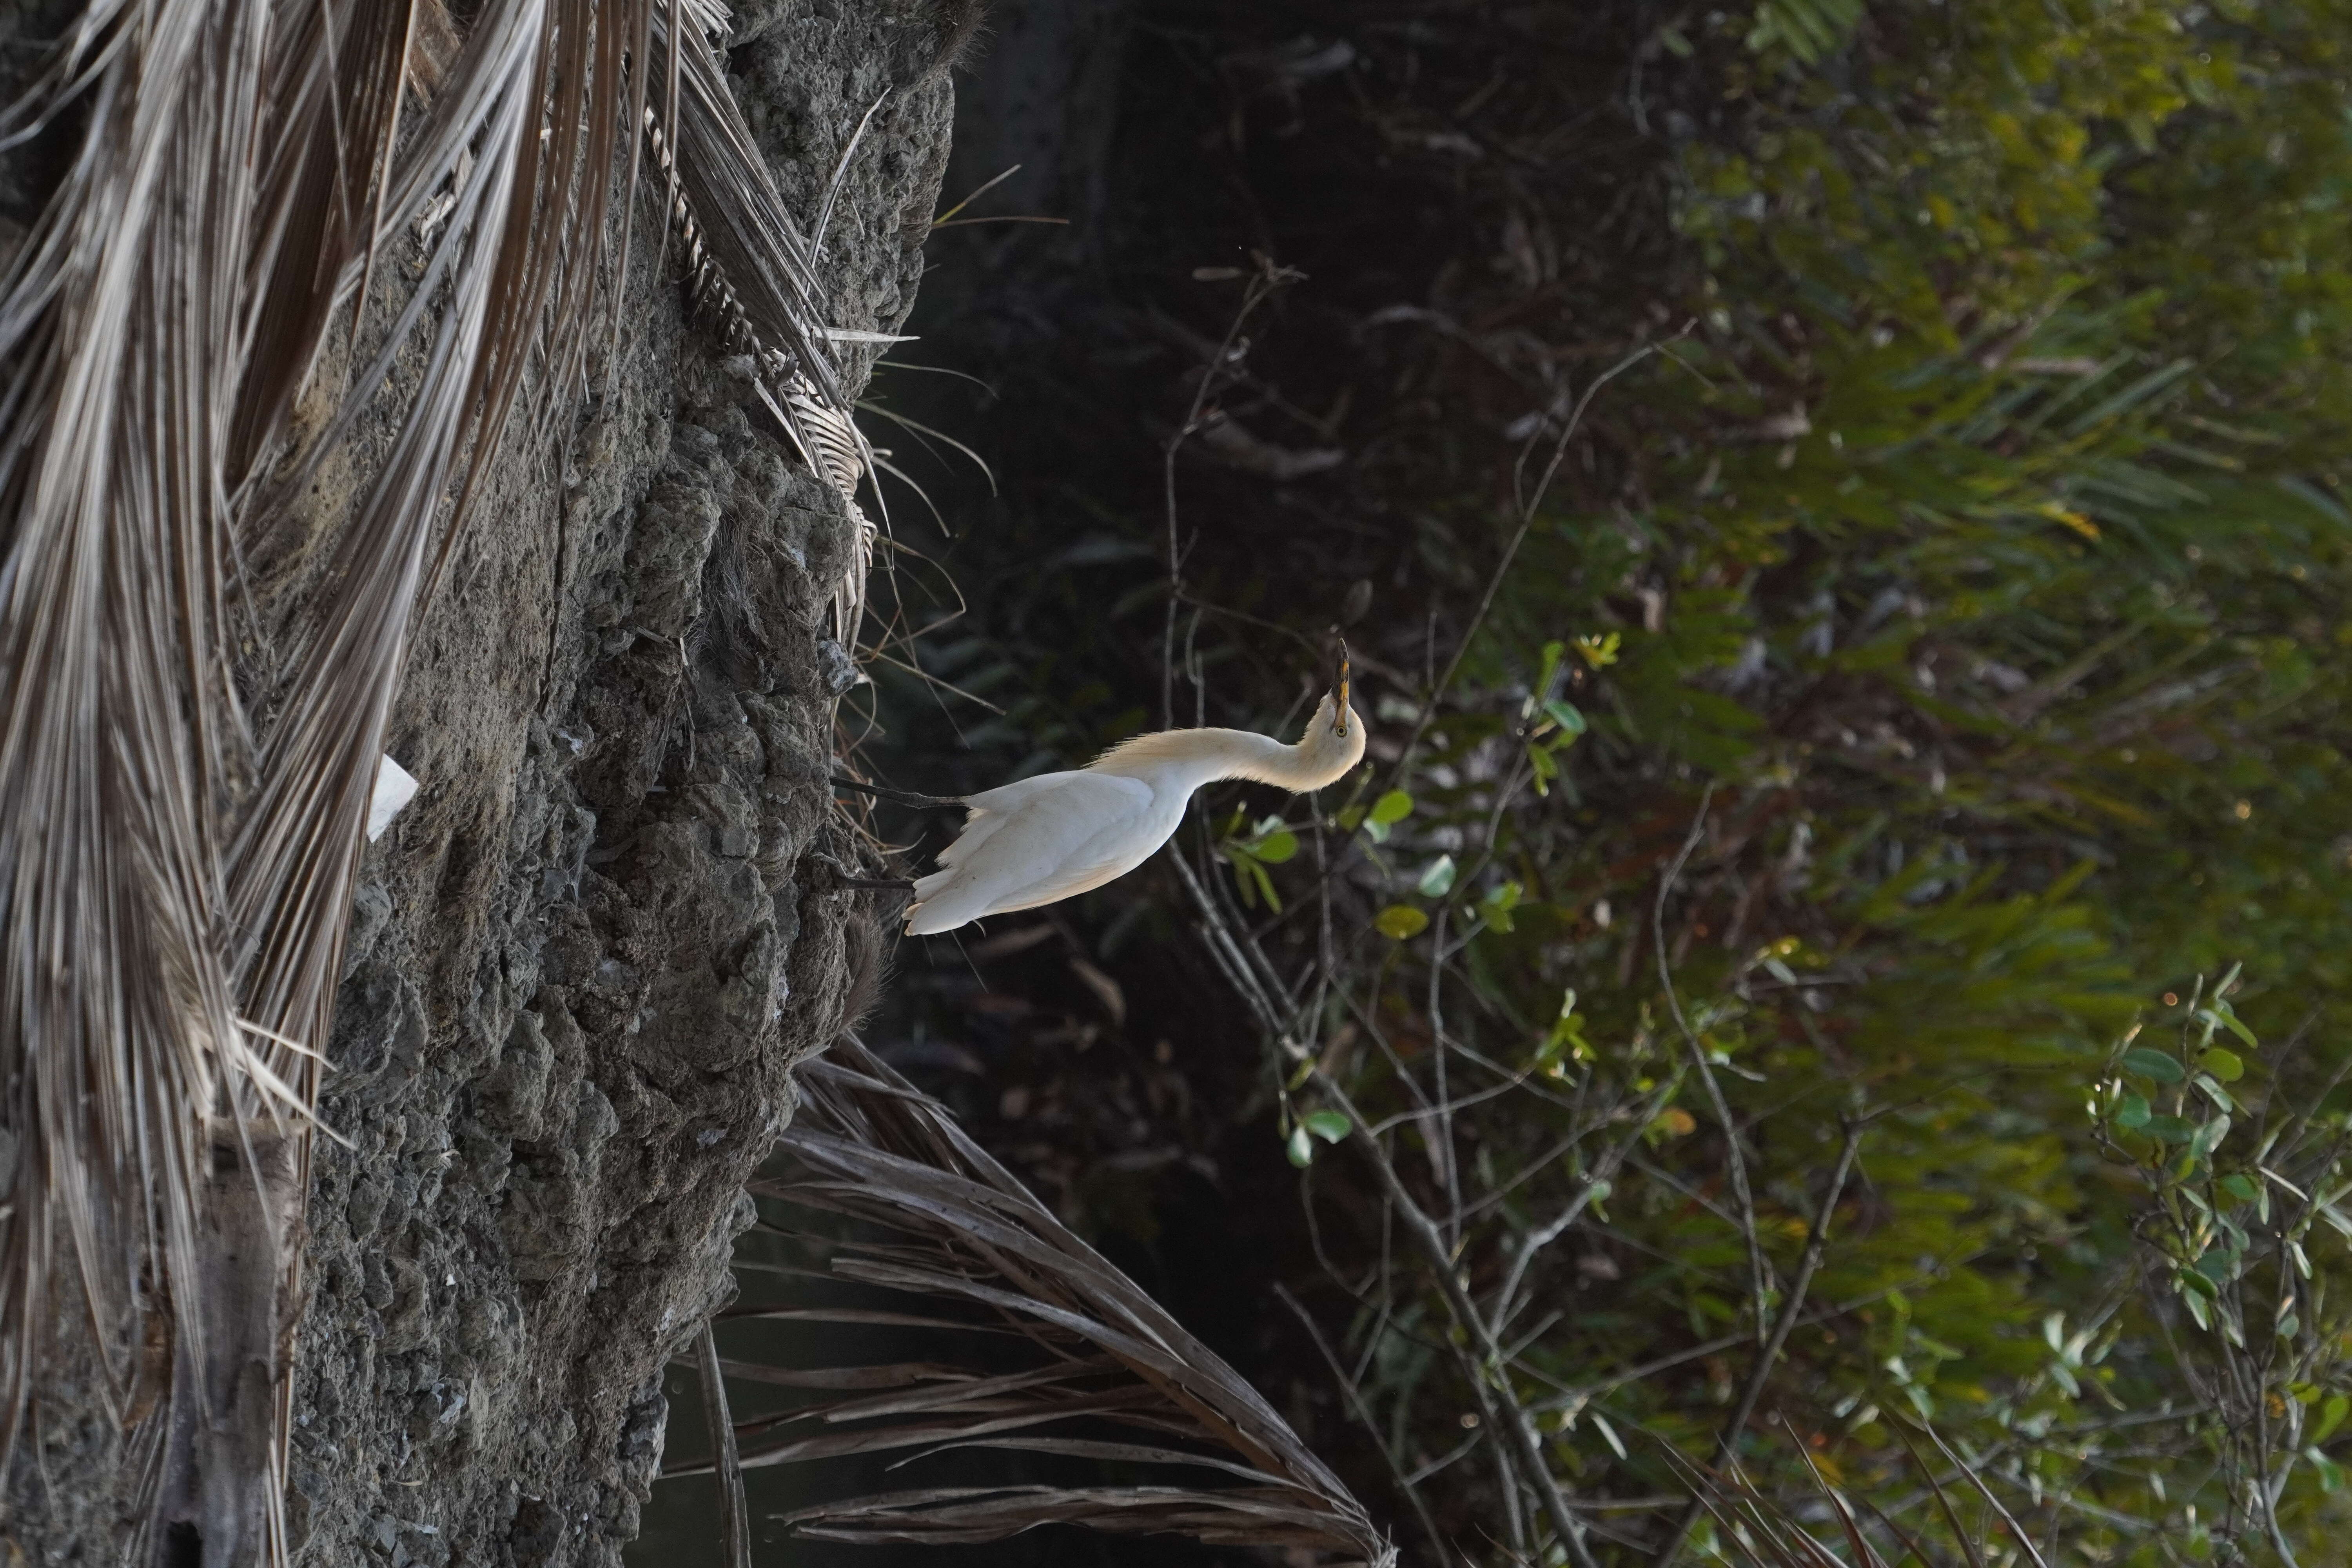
(903, 797)
(844, 878)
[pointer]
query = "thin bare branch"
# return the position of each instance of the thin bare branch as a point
(1769, 1356)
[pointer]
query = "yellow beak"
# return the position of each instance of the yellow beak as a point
(1339, 725)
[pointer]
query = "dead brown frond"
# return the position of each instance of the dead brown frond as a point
(755, 273)
(181, 823)
(1107, 1376)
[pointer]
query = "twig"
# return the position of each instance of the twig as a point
(1262, 285)
(1491, 1384)
(1489, 1378)
(1526, 505)
(1577, 1397)
(1449, 1166)
(1770, 1355)
(1362, 1413)
(734, 1516)
(1970, 1473)
(1605, 1173)
(1758, 1275)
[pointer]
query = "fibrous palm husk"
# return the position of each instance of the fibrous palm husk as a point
(1110, 1376)
(177, 864)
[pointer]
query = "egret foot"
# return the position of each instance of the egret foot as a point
(903, 797)
(844, 877)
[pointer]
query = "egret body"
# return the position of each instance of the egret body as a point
(1058, 834)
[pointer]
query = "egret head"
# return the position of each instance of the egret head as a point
(1334, 741)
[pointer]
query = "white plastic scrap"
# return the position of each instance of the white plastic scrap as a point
(395, 787)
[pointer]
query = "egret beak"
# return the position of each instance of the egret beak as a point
(1340, 726)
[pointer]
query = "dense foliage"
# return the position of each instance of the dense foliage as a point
(1854, 878)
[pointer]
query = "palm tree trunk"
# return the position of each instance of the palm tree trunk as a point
(582, 962)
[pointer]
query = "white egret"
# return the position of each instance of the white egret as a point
(1058, 834)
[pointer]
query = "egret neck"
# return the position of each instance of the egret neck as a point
(1184, 760)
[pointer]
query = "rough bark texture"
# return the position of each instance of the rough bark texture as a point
(584, 961)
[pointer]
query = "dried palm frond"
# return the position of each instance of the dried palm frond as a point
(755, 273)
(1109, 1376)
(176, 866)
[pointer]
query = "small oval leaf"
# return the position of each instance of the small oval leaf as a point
(1400, 922)
(2209, 1137)
(1279, 846)
(1300, 1150)
(2131, 1111)
(1437, 877)
(1329, 1125)
(2223, 1065)
(2153, 1064)
(1565, 715)
(1393, 806)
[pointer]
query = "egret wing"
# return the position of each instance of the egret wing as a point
(1065, 834)
(1004, 797)
(991, 809)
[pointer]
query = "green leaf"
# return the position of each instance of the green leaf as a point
(1552, 654)
(1300, 1149)
(2331, 1416)
(1400, 922)
(2131, 1111)
(1329, 1125)
(2223, 1065)
(2211, 1088)
(1277, 846)
(1566, 716)
(1393, 806)
(2228, 1017)
(2209, 1137)
(1350, 818)
(1236, 857)
(2240, 1188)
(2155, 1065)
(2171, 1129)
(1437, 878)
(2193, 1279)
